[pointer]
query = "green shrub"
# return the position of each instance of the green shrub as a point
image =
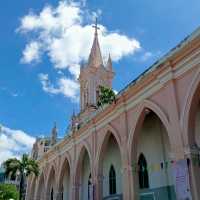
(8, 192)
(107, 96)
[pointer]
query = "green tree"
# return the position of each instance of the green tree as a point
(23, 168)
(106, 96)
(8, 191)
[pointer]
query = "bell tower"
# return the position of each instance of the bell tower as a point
(93, 75)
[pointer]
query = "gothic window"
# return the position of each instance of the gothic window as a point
(89, 187)
(143, 172)
(112, 180)
(97, 95)
(61, 193)
(52, 194)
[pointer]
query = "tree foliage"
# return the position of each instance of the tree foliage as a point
(8, 191)
(23, 168)
(106, 96)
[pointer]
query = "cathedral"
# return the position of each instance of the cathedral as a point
(143, 146)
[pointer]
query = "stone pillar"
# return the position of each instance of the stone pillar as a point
(128, 192)
(56, 196)
(28, 188)
(75, 191)
(98, 187)
(47, 196)
(36, 197)
(194, 170)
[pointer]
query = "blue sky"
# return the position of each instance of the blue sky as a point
(33, 79)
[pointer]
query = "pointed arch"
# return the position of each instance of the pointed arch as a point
(188, 120)
(85, 148)
(146, 112)
(64, 178)
(51, 181)
(65, 162)
(84, 156)
(187, 115)
(32, 189)
(51, 172)
(41, 188)
(110, 135)
(108, 131)
(145, 107)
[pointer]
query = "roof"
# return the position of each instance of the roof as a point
(163, 59)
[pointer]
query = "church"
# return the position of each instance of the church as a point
(143, 146)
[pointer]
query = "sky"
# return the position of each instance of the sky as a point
(43, 43)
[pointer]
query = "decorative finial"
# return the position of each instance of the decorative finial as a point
(54, 135)
(73, 121)
(96, 26)
(109, 63)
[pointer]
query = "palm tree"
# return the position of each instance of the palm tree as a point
(23, 168)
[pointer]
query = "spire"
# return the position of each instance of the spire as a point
(95, 58)
(73, 121)
(109, 64)
(54, 134)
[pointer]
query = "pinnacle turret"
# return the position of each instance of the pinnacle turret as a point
(109, 64)
(54, 134)
(95, 57)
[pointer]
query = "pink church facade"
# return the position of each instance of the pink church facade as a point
(155, 118)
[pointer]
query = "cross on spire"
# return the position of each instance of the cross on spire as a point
(96, 26)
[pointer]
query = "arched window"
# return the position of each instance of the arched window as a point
(52, 194)
(143, 172)
(89, 187)
(62, 192)
(112, 180)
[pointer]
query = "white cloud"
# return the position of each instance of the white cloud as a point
(15, 94)
(146, 56)
(67, 87)
(4, 155)
(149, 55)
(31, 52)
(14, 143)
(9, 92)
(62, 33)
